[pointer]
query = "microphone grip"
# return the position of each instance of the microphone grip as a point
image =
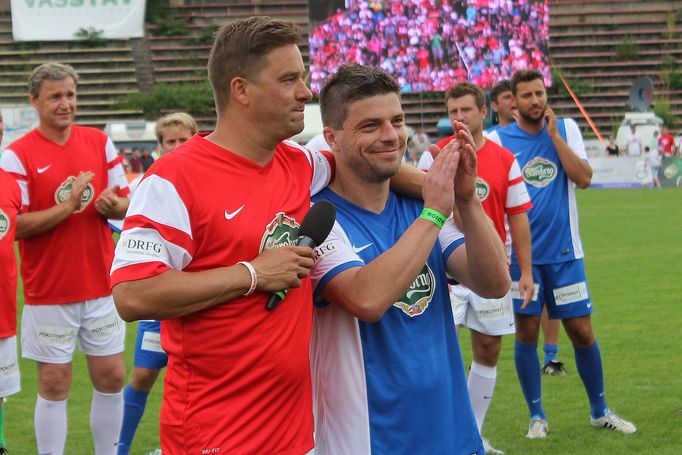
(275, 298)
(278, 296)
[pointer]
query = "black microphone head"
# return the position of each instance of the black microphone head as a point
(318, 222)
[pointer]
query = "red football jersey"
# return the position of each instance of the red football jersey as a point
(10, 203)
(499, 184)
(667, 142)
(71, 262)
(238, 378)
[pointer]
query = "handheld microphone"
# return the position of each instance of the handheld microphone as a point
(315, 227)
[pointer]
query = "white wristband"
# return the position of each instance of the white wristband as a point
(254, 277)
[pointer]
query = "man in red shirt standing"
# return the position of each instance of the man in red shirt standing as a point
(666, 143)
(504, 197)
(210, 234)
(10, 203)
(71, 181)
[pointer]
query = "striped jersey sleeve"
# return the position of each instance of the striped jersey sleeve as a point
(322, 164)
(518, 199)
(157, 234)
(10, 162)
(450, 238)
(115, 172)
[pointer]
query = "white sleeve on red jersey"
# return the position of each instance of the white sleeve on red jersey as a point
(518, 199)
(493, 136)
(323, 166)
(157, 234)
(574, 138)
(10, 162)
(115, 173)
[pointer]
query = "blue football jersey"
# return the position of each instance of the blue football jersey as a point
(554, 216)
(397, 385)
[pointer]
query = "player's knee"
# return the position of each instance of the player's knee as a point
(54, 383)
(143, 379)
(109, 380)
(580, 334)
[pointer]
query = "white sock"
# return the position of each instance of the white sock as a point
(106, 415)
(481, 385)
(49, 420)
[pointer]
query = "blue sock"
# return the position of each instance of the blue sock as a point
(551, 351)
(588, 363)
(134, 403)
(528, 371)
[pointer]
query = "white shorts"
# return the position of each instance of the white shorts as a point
(49, 333)
(10, 381)
(487, 316)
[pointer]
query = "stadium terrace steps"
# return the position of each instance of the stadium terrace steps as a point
(107, 71)
(589, 42)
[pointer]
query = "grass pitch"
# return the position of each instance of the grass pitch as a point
(633, 252)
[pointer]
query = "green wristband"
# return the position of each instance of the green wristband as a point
(434, 216)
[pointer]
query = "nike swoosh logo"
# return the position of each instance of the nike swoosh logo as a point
(356, 250)
(229, 216)
(537, 400)
(43, 169)
(517, 154)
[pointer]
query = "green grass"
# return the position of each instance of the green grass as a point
(633, 247)
(633, 250)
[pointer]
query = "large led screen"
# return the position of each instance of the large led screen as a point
(430, 45)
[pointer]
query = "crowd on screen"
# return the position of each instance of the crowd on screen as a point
(431, 44)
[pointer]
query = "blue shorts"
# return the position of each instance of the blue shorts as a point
(562, 287)
(148, 351)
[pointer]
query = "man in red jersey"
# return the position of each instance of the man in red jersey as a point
(10, 203)
(666, 143)
(71, 181)
(505, 200)
(209, 234)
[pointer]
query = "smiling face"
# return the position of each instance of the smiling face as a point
(372, 139)
(56, 103)
(277, 93)
(531, 100)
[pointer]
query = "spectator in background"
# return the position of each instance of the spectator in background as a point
(123, 156)
(146, 159)
(135, 161)
(71, 183)
(612, 149)
(653, 160)
(430, 45)
(417, 145)
(666, 143)
(10, 204)
(634, 142)
(171, 131)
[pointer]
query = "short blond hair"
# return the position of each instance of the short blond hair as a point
(175, 119)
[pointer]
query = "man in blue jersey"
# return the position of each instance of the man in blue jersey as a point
(503, 104)
(552, 157)
(387, 372)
